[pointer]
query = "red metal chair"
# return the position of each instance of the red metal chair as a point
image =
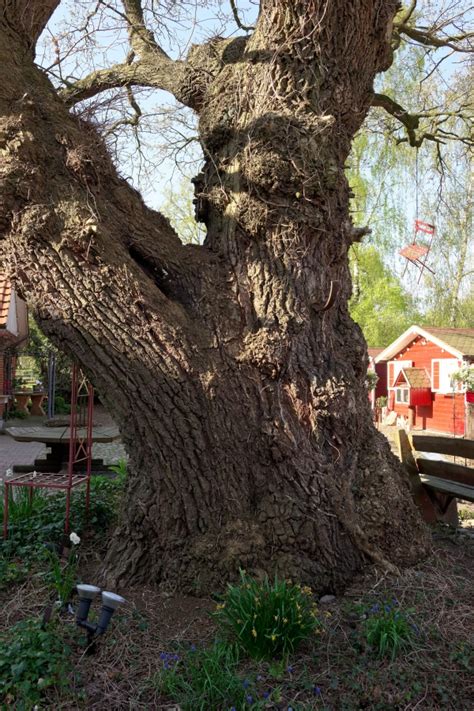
(80, 453)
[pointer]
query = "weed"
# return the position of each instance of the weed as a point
(266, 619)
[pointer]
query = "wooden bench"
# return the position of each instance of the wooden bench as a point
(437, 483)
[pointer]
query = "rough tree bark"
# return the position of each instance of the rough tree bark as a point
(233, 370)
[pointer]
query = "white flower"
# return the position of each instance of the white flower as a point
(74, 538)
(34, 475)
(9, 472)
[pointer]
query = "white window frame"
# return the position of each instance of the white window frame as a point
(398, 394)
(398, 366)
(447, 366)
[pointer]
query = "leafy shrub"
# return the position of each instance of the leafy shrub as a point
(267, 619)
(32, 659)
(61, 407)
(204, 679)
(14, 414)
(388, 629)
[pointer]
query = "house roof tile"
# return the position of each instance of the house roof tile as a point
(5, 299)
(417, 377)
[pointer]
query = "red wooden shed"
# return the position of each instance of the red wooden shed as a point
(419, 365)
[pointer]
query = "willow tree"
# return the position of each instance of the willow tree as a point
(233, 369)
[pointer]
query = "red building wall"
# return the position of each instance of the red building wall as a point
(447, 411)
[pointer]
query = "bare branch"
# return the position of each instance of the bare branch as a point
(163, 74)
(411, 122)
(408, 12)
(430, 39)
(235, 12)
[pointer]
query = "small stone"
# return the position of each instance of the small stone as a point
(327, 599)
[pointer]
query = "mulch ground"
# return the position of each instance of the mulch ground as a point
(336, 671)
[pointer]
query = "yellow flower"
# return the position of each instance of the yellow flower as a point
(273, 637)
(285, 620)
(306, 590)
(328, 614)
(254, 632)
(239, 622)
(220, 606)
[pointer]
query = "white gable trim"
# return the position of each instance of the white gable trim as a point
(12, 321)
(407, 337)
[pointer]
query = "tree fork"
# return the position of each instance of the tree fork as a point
(244, 408)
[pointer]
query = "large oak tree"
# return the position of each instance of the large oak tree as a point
(233, 369)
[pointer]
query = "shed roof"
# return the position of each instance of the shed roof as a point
(459, 342)
(417, 377)
(462, 339)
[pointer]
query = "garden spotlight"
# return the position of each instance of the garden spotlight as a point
(86, 593)
(110, 602)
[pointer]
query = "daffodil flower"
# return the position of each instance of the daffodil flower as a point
(74, 538)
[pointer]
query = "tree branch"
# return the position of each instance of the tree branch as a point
(408, 12)
(162, 73)
(411, 122)
(429, 39)
(235, 12)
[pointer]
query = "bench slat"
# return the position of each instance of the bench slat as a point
(447, 470)
(454, 446)
(460, 491)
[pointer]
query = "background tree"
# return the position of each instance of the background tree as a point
(234, 370)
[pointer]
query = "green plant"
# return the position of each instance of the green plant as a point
(381, 401)
(204, 679)
(121, 468)
(267, 619)
(44, 523)
(62, 574)
(371, 379)
(14, 414)
(23, 502)
(388, 629)
(61, 407)
(32, 659)
(464, 376)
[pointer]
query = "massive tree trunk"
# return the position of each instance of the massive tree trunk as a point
(233, 370)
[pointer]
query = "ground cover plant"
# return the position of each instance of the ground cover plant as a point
(39, 521)
(33, 658)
